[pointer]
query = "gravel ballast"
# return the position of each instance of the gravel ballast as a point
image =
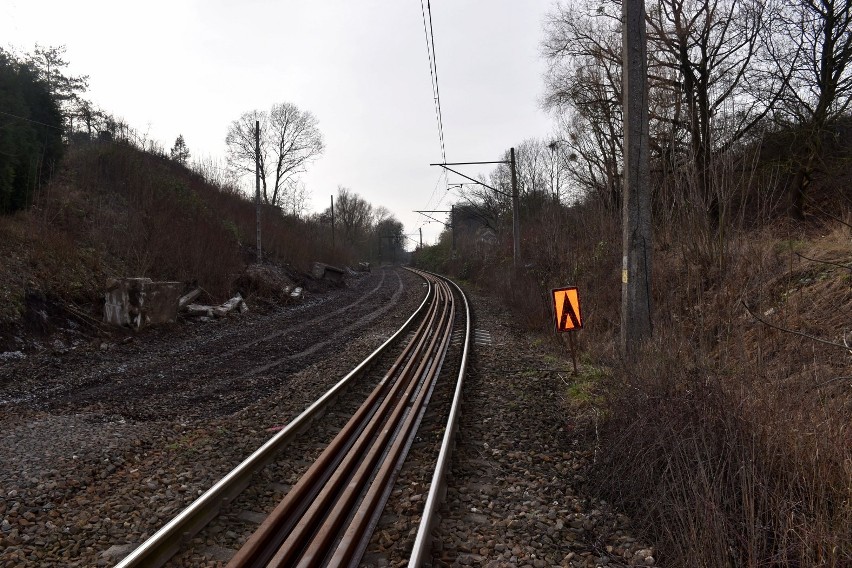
(515, 494)
(85, 479)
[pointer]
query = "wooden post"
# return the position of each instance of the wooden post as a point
(333, 245)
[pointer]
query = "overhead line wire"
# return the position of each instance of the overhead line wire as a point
(30, 120)
(431, 197)
(429, 33)
(437, 88)
(433, 72)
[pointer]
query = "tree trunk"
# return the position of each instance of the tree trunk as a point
(798, 189)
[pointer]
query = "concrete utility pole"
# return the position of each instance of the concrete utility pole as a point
(421, 237)
(453, 225)
(257, 182)
(637, 235)
(516, 218)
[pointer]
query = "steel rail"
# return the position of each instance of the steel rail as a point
(299, 535)
(438, 487)
(392, 447)
(308, 495)
(166, 542)
(356, 539)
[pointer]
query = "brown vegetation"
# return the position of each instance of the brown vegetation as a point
(728, 439)
(113, 210)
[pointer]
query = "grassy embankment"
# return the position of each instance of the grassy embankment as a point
(729, 439)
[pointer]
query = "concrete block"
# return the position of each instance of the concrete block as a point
(137, 302)
(322, 271)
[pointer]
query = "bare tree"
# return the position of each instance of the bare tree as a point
(296, 200)
(390, 235)
(712, 48)
(381, 214)
(354, 214)
(814, 56)
(289, 141)
(583, 86)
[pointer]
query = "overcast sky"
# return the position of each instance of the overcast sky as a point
(191, 67)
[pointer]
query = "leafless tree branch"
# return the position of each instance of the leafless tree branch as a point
(794, 332)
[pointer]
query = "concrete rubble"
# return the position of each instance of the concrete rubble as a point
(138, 302)
(322, 271)
(236, 303)
(296, 294)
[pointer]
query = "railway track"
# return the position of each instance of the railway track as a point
(328, 515)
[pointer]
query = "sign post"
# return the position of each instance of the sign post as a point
(566, 310)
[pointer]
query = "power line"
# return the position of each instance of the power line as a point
(441, 177)
(30, 120)
(433, 72)
(434, 192)
(444, 195)
(437, 89)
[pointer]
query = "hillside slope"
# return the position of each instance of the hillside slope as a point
(115, 211)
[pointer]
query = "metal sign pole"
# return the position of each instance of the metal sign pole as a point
(569, 319)
(573, 351)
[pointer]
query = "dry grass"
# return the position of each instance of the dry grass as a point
(729, 440)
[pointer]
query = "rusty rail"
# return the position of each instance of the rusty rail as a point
(327, 518)
(438, 487)
(166, 542)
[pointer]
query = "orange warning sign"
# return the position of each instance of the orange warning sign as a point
(566, 307)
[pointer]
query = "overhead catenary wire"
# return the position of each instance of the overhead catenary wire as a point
(437, 87)
(441, 178)
(30, 120)
(429, 205)
(433, 71)
(443, 197)
(428, 30)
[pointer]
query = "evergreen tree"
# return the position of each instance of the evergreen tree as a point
(65, 89)
(30, 133)
(180, 152)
